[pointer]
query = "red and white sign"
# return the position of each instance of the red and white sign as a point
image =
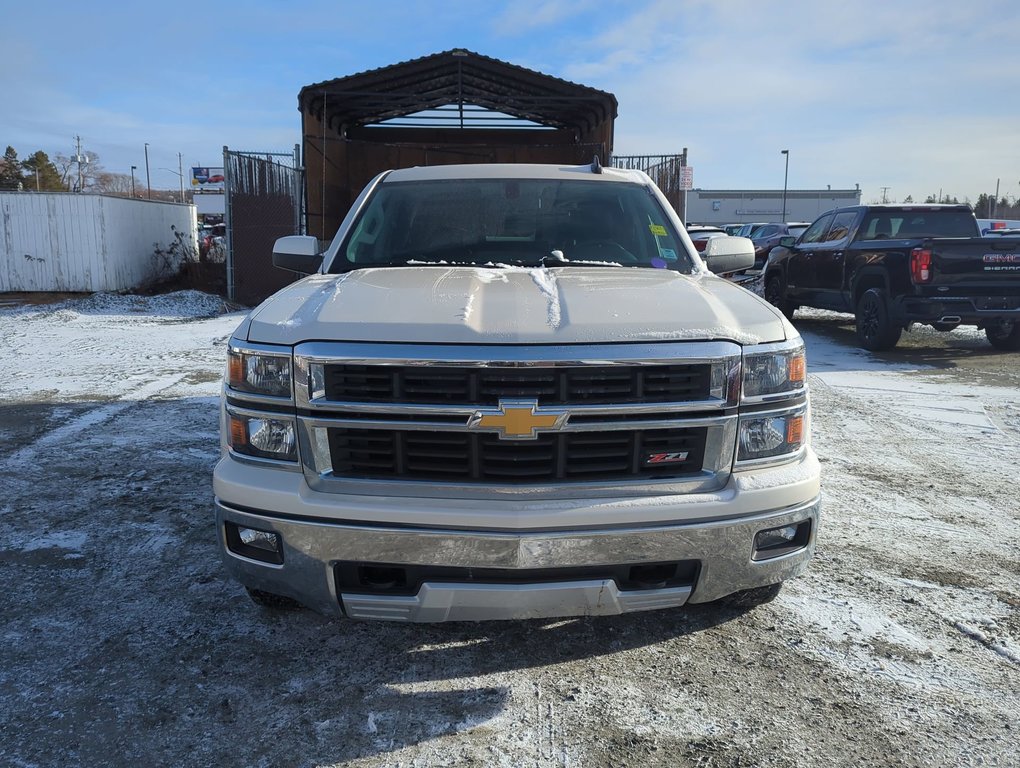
(687, 177)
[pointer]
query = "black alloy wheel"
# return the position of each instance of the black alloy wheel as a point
(1004, 335)
(775, 294)
(875, 330)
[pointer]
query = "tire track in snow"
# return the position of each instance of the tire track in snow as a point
(91, 418)
(976, 634)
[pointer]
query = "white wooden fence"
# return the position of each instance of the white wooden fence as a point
(66, 242)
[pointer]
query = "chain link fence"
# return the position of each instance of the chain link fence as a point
(263, 202)
(665, 171)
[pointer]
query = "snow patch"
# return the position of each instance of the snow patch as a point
(546, 282)
(72, 540)
(465, 313)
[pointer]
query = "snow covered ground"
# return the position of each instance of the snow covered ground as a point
(125, 644)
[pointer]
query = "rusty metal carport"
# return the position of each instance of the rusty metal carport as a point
(451, 107)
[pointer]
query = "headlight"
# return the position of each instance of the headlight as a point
(260, 373)
(779, 371)
(772, 435)
(263, 437)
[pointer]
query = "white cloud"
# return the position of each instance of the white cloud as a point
(903, 94)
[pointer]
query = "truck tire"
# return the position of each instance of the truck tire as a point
(775, 294)
(1004, 335)
(752, 598)
(875, 330)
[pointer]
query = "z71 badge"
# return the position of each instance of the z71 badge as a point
(675, 457)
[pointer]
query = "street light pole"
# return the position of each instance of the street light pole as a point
(786, 176)
(148, 182)
(133, 167)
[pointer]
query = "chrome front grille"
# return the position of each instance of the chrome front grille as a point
(564, 457)
(603, 384)
(612, 419)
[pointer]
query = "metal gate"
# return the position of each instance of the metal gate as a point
(665, 171)
(263, 195)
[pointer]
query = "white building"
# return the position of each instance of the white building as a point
(734, 206)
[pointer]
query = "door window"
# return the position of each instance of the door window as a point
(841, 224)
(817, 230)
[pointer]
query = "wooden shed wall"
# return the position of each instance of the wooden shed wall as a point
(335, 178)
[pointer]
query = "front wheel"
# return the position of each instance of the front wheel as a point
(875, 329)
(1004, 335)
(775, 294)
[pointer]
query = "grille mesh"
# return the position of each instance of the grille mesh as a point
(465, 457)
(437, 385)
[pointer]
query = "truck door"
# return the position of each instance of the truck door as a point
(801, 281)
(830, 259)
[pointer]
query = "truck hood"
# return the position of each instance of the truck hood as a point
(477, 305)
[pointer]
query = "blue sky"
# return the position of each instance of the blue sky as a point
(910, 95)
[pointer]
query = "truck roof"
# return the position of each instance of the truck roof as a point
(514, 171)
(908, 207)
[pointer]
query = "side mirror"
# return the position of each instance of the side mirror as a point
(297, 253)
(787, 241)
(728, 254)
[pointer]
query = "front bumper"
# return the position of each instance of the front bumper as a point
(312, 550)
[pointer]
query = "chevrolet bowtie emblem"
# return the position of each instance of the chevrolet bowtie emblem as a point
(518, 419)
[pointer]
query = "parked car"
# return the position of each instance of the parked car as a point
(746, 229)
(767, 236)
(893, 265)
(733, 229)
(213, 243)
(552, 409)
(700, 234)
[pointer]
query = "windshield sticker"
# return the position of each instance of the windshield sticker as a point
(668, 253)
(658, 230)
(658, 263)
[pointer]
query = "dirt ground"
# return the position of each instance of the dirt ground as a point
(125, 644)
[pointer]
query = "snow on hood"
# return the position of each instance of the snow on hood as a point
(514, 305)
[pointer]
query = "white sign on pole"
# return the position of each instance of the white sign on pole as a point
(686, 177)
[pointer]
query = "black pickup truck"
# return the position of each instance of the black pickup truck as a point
(893, 265)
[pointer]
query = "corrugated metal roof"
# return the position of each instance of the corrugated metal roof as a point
(456, 77)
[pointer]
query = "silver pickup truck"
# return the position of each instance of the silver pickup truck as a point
(514, 391)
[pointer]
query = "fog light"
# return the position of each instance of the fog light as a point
(254, 543)
(774, 542)
(261, 539)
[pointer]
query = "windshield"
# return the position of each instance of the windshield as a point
(512, 221)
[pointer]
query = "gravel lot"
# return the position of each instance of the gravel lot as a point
(126, 645)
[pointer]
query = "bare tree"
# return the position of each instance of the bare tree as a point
(68, 169)
(108, 183)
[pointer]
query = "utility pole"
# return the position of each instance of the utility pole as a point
(786, 176)
(180, 175)
(995, 200)
(683, 192)
(81, 160)
(133, 167)
(885, 196)
(148, 183)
